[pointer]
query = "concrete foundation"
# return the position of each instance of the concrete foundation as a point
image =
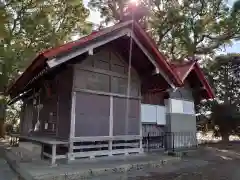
(182, 128)
(32, 147)
(85, 168)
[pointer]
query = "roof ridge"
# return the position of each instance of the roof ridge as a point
(182, 64)
(80, 38)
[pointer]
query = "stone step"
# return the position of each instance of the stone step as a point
(6, 173)
(24, 155)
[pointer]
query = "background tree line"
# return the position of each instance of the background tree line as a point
(182, 29)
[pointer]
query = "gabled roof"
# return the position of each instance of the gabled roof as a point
(39, 63)
(183, 71)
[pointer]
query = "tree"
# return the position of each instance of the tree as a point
(12, 120)
(30, 26)
(224, 76)
(13, 114)
(236, 6)
(194, 27)
(181, 29)
(226, 120)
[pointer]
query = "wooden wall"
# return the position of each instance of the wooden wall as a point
(26, 118)
(96, 79)
(55, 109)
(65, 84)
(155, 98)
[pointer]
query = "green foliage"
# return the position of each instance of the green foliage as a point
(224, 76)
(194, 27)
(182, 28)
(13, 114)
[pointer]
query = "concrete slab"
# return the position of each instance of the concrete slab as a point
(6, 172)
(147, 173)
(86, 168)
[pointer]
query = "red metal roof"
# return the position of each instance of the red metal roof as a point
(40, 61)
(183, 71)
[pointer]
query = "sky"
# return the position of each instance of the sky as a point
(94, 16)
(233, 48)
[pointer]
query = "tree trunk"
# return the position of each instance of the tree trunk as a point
(225, 137)
(2, 117)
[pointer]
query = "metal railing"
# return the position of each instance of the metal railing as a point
(170, 141)
(154, 142)
(14, 139)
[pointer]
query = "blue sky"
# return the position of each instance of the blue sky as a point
(233, 48)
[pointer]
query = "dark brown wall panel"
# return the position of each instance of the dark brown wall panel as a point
(122, 126)
(26, 120)
(156, 98)
(65, 83)
(92, 115)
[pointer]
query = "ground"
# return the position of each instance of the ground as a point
(215, 161)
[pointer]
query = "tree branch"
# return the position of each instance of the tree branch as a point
(220, 40)
(163, 34)
(19, 14)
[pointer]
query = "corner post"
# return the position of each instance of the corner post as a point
(140, 130)
(110, 126)
(72, 127)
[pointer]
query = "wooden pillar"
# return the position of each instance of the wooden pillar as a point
(53, 160)
(72, 127)
(140, 126)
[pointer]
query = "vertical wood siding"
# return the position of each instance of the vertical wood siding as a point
(92, 115)
(65, 84)
(27, 117)
(105, 72)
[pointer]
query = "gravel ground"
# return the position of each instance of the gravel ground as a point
(212, 162)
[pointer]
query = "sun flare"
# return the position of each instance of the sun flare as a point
(133, 1)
